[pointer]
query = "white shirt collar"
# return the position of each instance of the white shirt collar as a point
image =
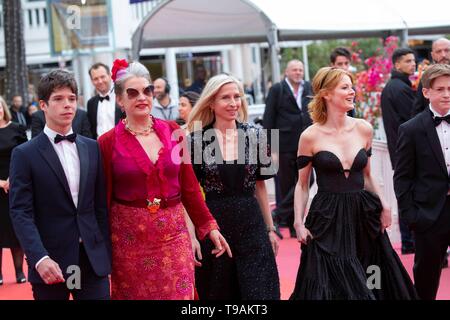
(292, 88)
(436, 114)
(51, 134)
(111, 91)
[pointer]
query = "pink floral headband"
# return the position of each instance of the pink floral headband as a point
(119, 69)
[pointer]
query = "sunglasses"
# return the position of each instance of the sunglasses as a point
(134, 93)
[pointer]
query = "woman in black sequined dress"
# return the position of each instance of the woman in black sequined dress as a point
(346, 252)
(231, 161)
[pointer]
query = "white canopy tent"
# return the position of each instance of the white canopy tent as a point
(178, 23)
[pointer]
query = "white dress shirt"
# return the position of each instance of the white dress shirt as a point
(106, 114)
(68, 156)
(298, 94)
(443, 132)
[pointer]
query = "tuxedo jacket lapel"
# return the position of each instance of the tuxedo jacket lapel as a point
(95, 102)
(118, 114)
(433, 139)
(49, 154)
(290, 95)
(83, 154)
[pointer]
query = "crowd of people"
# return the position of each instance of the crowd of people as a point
(159, 199)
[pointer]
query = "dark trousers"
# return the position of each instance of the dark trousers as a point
(277, 190)
(287, 177)
(431, 247)
(93, 287)
(406, 234)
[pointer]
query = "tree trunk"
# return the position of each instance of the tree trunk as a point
(16, 80)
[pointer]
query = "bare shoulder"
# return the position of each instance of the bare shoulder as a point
(364, 127)
(307, 140)
(309, 134)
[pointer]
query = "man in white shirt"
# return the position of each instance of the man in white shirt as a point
(58, 202)
(103, 112)
(422, 181)
(163, 106)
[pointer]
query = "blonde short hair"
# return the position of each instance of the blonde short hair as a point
(202, 110)
(325, 80)
(6, 112)
(433, 72)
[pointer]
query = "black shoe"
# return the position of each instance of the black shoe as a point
(408, 250)
(1, 279)
(20, 277)
(277, 231)
(445, 262)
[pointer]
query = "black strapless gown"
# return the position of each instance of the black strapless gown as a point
(347, 245)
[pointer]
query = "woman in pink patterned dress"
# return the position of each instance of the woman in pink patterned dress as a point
(148, 184)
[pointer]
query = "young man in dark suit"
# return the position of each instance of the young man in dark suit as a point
(421, 179)
(103, 112)
(287, 110)
(58, 202)
(18, 111)
(397, 99)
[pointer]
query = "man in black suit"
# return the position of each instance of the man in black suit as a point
(80, 124)
(103, 112)
(397, 100)
(440, 53)
(18, 111)
(421, 179)
(58, 202)
(287, 110)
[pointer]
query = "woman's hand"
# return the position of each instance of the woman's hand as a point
(274, 242)
(4, 184)
(385, 218)
(221, 245)
(197, 251)
(303, 234)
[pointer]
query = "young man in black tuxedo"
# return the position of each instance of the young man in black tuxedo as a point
(103, 112)
(422, 182)
(58, 202)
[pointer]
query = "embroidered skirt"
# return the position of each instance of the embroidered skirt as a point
(151, 254)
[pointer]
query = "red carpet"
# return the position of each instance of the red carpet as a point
(288, 260)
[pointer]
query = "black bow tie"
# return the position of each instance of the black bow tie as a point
(438, 120)
(71, 138)
(104, 98)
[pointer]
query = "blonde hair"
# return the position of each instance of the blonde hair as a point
(325, 80)
(433, 72)
(202, 110)
(6, 112)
